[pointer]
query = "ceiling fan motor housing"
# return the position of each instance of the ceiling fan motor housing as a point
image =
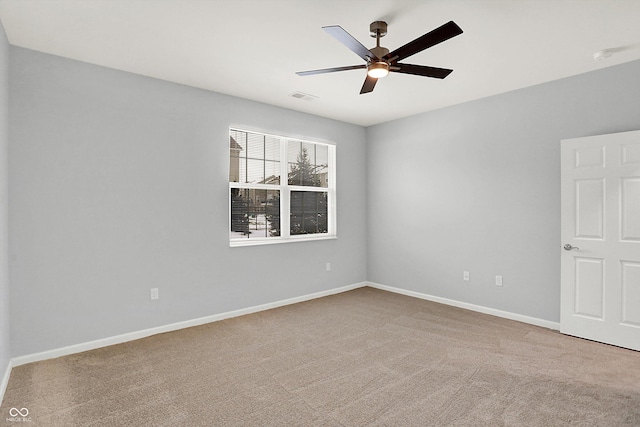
(378, 29)
(379, 51)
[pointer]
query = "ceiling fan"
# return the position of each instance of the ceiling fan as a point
(380, 62)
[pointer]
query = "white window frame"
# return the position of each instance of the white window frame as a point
(285, 195)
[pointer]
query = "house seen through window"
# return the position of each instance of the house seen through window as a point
(280, 189)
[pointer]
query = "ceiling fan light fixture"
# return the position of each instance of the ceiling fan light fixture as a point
(378, 69)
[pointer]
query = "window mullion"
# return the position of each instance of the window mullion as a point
(285, 219)
(308, 188)
(246, 158)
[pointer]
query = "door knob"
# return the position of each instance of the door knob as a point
(568, 247)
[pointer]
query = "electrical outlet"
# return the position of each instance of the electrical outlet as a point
(498, 280)
(328, 266)
(154, 293)
(465, 276)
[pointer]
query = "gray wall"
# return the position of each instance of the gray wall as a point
(4, 235)
(476, 187)
(119, 183)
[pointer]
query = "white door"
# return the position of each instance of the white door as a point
(600, 292)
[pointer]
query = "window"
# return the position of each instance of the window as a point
(280, 189)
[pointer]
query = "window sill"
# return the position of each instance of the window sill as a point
(275, 241)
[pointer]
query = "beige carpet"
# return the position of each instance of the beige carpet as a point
(361, 358)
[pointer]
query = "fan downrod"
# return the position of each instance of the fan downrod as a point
(378, 29)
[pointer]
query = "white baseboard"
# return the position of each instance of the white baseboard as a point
(5, 380)
(481, 309)
(104, 342)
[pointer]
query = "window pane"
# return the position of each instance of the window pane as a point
(272, 148)
(301, 168)
(235, 154)
(234, 161)
(322, 155)
(254, 158)
(309, 148)
(255, 171)
(322, 165)
(293, 150)
(255, 146)
(240, 138)
(254, 213)
(243, 169)
(308, 212)
(272, 172)
(308, 164)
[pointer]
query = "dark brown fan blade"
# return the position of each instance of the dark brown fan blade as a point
(421, 70)
(330, 70)
(349, 41)
(432, 38)
(369, 84)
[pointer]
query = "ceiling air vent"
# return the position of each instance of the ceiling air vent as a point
(304, 96)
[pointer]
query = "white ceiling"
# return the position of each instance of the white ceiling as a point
(251, 48)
